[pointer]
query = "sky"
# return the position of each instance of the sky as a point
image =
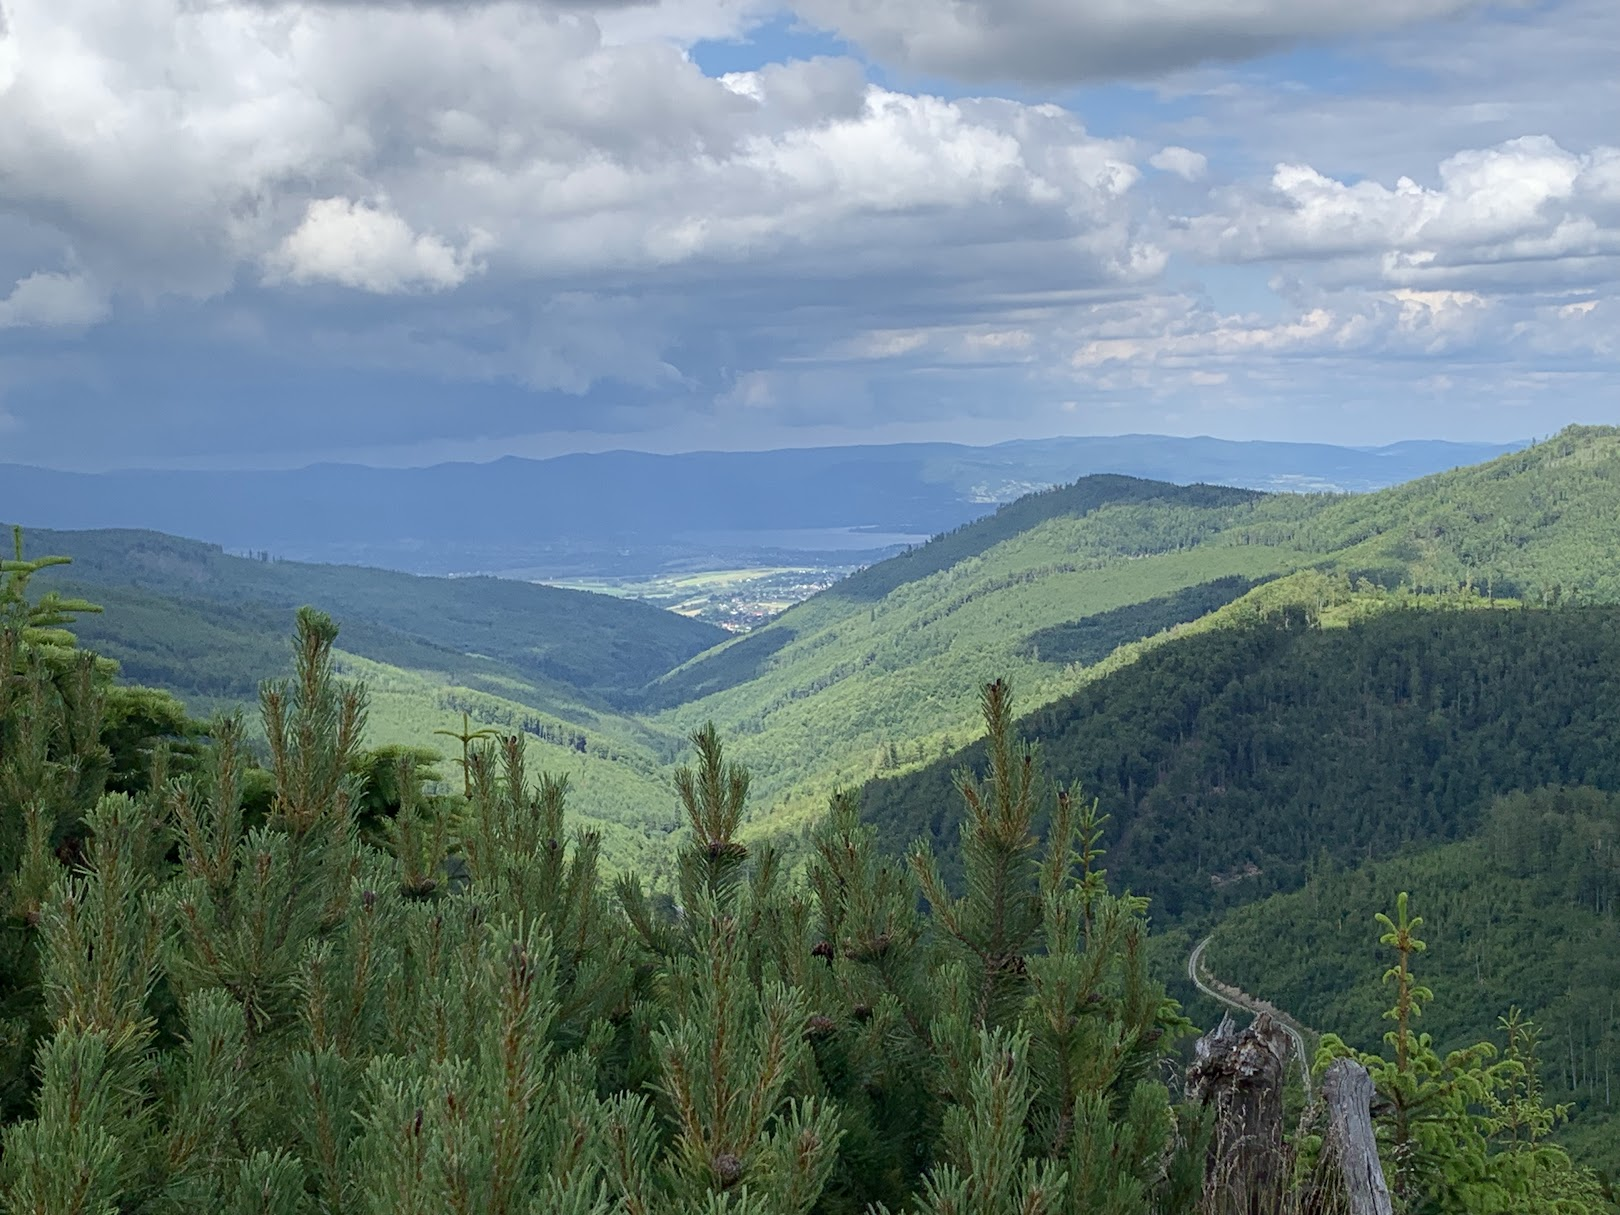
(256, 233)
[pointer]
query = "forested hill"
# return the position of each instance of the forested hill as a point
(1231, 760)
(521, 659)
(1526, 914)
(852, 682)
(878, 673)
(1061, 502)
(748, 658)
(1539, 524)
(596, 644)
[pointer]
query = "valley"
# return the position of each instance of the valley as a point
(809, 607)
(1288, 705)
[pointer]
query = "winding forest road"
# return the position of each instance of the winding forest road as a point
(1243, 1002)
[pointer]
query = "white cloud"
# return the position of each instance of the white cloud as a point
(176, 144)
(1379, 332)
(1063, 41)
(49, 300)
(1004, 343)
(369, 247)
(1498, 216)
(1183, 162)
(888, 344)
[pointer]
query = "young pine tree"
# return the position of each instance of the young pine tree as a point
(731, 1037)
(1046, 1024)
(53, 767)
(1460, 1132)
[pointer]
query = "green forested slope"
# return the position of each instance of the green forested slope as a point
(1526, 914)
(602, 646)
(859, 686)
(1231, 759)
(875, 674)
(215, 655)
(879, 674)
(1539, 524)
(1061, 502)
(752, 657)
(441, 1005)
(210, 628)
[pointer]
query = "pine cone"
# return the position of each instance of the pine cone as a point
(728, 1169)
(728, 849)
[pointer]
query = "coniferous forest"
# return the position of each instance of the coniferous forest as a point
(257, 967)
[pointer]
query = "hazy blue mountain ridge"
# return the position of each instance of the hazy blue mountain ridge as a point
(513, 513)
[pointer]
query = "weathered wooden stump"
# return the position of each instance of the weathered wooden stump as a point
(1349, 1144)
(1239, 1074)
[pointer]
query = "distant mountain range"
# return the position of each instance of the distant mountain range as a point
(631, 512)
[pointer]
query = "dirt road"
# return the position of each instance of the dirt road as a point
(1231, 997)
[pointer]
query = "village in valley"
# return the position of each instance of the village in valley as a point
(737, 600)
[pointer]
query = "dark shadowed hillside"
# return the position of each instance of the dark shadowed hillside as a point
(1232, 759)
(596, 644)
(1525, 914)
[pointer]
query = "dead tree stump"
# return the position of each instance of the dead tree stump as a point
(1239, 1074)
(1349, 1144)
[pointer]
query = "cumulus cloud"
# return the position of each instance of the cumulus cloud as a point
(179, 146)
(50, 300)
(526, 197)
(1060, 41)
(1525, 212)
(366, 246)
(1183, 162)
(1340, 345)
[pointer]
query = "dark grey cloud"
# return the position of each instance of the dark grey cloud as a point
(1065, 42)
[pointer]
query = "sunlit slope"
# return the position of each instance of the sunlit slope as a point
(750, 657)
(218, 628)
(881, 671)
(617, 768)
(1541, 524)
(214, 657)
(884, 670)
